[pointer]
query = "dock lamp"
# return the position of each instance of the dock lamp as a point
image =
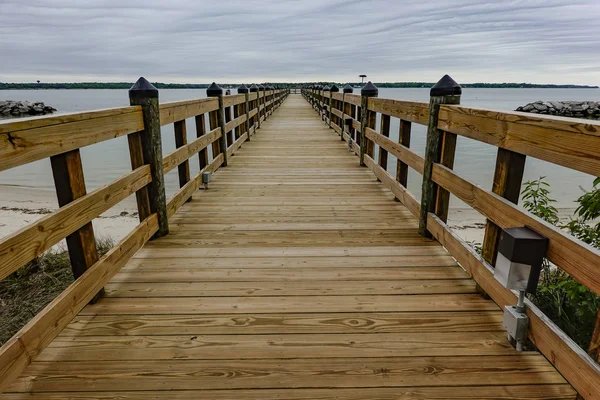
(521, 252)
(205, 179)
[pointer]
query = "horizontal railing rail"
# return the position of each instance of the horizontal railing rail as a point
(232, 120)
(569, 142)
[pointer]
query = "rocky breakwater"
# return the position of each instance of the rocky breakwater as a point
(576, 109)
(10, 108)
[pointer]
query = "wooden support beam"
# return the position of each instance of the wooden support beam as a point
(367, 120)
(70, 185)
(508, 177)
(201, 131)
(445, 91)
(144, 94)
(181, 140)
(404, 140)
(384, 129)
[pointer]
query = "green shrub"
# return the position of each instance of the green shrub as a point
(569, 304)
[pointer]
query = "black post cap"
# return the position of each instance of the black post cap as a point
(319, 87)
(270, 87)
(334, 88)
(326, 88)
(445, 87)
(253, 88)
(348, 88)
(143, 89)
(214, 90)
(243, 89)
(261, 88)
(369, 90)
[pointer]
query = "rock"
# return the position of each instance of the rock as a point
(20, 108)
(577, 109)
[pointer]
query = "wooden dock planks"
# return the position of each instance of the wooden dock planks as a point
(295, 276)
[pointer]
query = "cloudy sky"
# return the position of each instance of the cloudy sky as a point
(198, 41)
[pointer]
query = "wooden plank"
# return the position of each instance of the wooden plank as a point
(273, 323)
(325, 373)
(32, 240)
(180, 110)
(252, 347)
(33, 139)
(570, 142)
(233, 100)
(19, 351)
(289, 288)
(519, 392)
(186, 151)
(406, 110)
(578, 259)
(570, 360)
(298, 274)
(290, 263)
(264, 251)
(399, 151)
(295, 304)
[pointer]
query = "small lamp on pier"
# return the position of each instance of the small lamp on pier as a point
(521, 252)
(205, 179)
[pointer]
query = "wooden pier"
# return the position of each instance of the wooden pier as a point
(296, 275)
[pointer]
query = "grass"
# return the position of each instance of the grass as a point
(28, 290)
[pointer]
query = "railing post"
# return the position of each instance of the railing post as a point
(183, 169)
(255, 120)
(69, 182)
(367, 120)
(144, 94)
(332, 90)
(261, 89)
(508, 177)
(326, 99)
(403, 139)
(243, 89)
(201, 131)
(215, 91)
(346, 109)
(446, 91)
(384, 129)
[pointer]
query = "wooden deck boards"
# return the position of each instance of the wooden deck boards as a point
(295, 276)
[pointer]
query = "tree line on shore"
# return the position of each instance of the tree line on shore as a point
(160, 85)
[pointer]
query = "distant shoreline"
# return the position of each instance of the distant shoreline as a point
(160, 85)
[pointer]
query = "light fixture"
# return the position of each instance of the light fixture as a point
(521, 252)
(205, 179)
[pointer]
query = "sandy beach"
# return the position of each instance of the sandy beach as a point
(20, 206)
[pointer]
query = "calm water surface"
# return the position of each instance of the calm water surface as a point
(103, 162)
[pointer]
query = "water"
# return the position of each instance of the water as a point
(475, 161)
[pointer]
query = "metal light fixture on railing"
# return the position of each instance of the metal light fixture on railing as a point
(521, 252)
(206, 179)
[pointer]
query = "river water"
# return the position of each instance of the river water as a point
(103, 162)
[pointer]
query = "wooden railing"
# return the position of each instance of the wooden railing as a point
(60, 138)
(572, 143)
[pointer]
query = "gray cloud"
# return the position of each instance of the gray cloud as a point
(542, 41)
